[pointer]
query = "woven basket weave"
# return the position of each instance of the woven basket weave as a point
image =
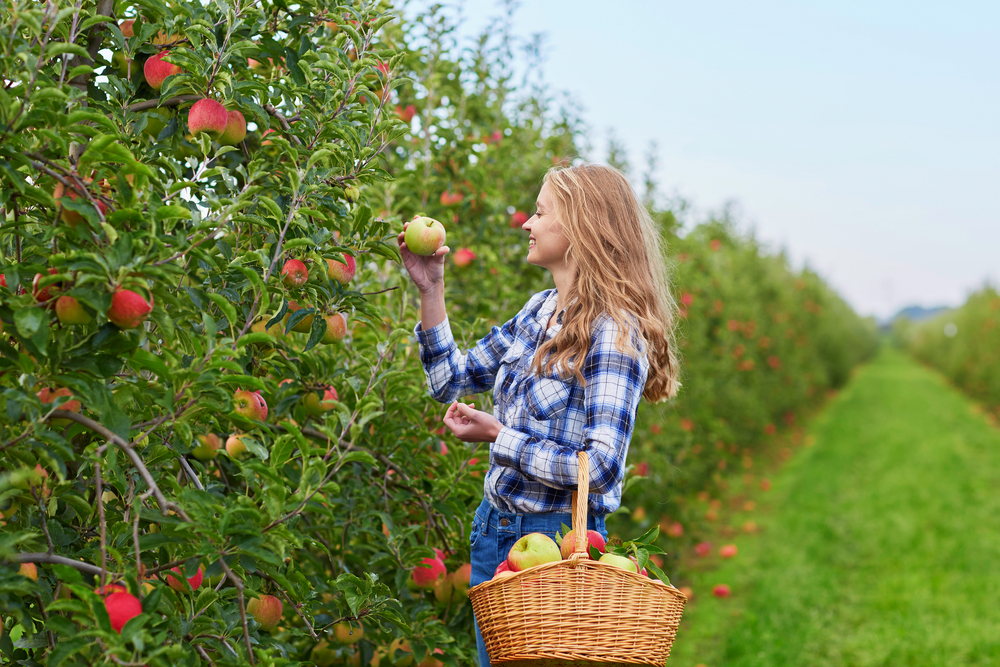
(577, 611)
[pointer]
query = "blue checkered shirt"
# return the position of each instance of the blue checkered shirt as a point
(533, 463)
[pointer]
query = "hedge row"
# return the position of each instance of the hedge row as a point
(964, 344)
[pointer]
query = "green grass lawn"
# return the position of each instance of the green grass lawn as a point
(880, 543)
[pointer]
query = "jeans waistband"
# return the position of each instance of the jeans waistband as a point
(521, 522)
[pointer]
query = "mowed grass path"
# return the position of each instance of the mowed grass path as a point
(880, 542)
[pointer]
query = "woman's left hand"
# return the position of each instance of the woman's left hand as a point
(470, 425)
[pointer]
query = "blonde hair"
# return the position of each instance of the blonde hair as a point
(621, 270)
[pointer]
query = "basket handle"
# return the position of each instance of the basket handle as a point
(580, 504)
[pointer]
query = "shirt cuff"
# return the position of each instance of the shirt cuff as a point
(436, 340)
(506, 451)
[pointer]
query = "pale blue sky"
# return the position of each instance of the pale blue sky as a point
(861, 136)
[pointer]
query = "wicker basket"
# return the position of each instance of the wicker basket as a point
(577, 611)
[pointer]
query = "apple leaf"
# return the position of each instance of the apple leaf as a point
(650, 535)
(594, 552)
(657, 572)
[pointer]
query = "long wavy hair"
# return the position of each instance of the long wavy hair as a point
(621, 272)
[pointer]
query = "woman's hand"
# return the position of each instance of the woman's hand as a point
(471, 425)
(426, 272)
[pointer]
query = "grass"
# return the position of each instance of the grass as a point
(880, 543)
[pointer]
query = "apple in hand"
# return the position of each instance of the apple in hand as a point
(267, 610)
(531, 550)
(594, 539)
(178, 585)
(623, 562)
(122, 607)
(128, 309)
(342, 272)
(424, 236)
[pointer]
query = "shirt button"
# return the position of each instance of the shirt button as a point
(504, 522)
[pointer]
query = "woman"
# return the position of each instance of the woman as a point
(568, 371)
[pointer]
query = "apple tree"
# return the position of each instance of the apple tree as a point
(207, 366)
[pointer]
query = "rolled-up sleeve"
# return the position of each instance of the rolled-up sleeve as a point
(452, 374)
(614, 386)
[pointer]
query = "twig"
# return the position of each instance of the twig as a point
(238, 583)
(53, 559)
(103, 525)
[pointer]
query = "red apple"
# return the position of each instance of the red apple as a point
(623, 562)
(336, 328)
(69, 311)
(518, 219)
(209, 447)
(502, 567)
(122, 607)
(675, 529)
(316, 406)
(128, 309)
(156, 70)
(267, 610)
(424, 236)
(531, 550)
(428, 572)
(236, 129)
(45, 293)
(29, 570)
(721, 591)
(249, 404)
(687, 591)
(407, 114)
(765, 485)
(178, 585)
(594, 539)
(208, 116)
(73, 218)
(703, 549)
(294, 273)
(342, 272)
(728, 551)
(126, 28)
(464, 257)
(108, 589)
(47, 396)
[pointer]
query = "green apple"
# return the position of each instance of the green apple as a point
(424, 236)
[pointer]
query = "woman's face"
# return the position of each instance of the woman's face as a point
(546, 245)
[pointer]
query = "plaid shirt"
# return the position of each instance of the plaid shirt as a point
(533, 463)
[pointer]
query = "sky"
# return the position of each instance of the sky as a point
(863, 138)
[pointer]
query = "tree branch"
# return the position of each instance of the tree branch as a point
(53, 559)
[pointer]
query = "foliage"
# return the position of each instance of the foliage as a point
(964, 344)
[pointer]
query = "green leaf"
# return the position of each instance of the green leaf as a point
(256, 337)
(243, 381)
(359, 457)
(657, 572)
(29, 320)
(225, 306)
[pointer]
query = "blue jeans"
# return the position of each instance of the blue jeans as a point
(494, 533)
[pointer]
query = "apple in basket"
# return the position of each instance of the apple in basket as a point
(531, 550)
(594, 539)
